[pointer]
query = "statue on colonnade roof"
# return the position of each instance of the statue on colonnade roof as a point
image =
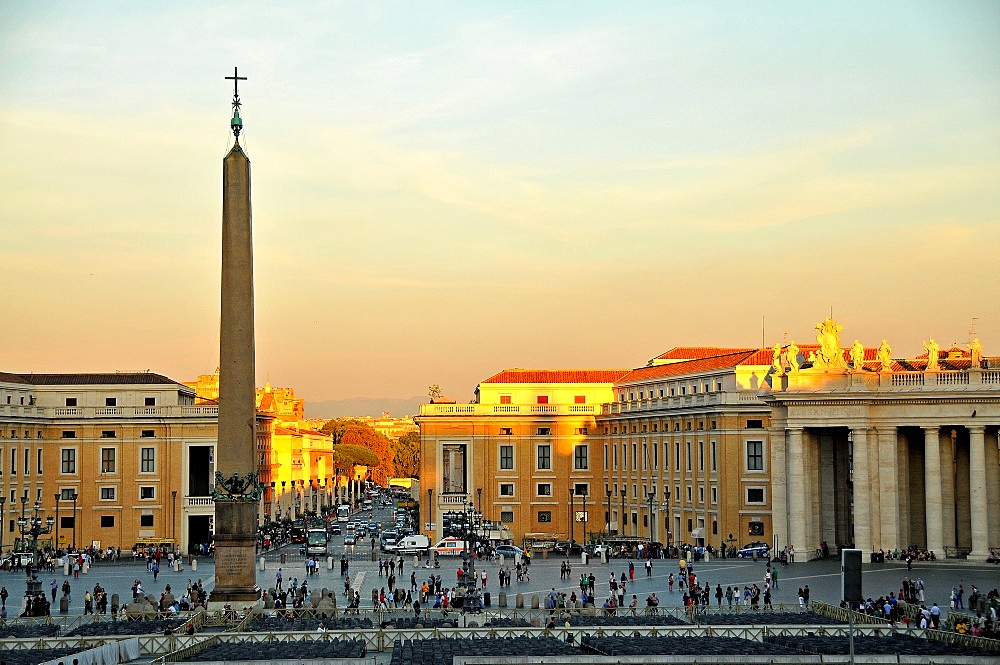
(933, 350)
(885, 356)
(829, 355)
(857, 356)
(976, 352)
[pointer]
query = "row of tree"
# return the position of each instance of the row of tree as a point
(355, 443)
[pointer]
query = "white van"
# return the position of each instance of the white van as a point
(448, 547)
(412, 544)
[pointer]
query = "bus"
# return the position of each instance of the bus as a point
(316, 542)
(344, 513)
(297, 533)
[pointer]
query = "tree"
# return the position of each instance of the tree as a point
(407, 455)
(434, 391)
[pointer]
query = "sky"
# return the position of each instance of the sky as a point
(445, 189)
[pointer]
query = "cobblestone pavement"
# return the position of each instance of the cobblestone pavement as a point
(823, 577)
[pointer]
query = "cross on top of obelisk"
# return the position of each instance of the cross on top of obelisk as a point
(236, 123)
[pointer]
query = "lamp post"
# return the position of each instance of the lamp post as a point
(572, 519)
(651, 497)
(57, 497)
(430, 508)
(76, 496)
(33, 527)
(173, 517)
(584, 495)
(479, 509)
(607, 492)
(624, 521)
(3, 519)
(471, 600)
(666, 511)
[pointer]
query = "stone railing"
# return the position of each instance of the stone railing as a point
(506, 409)
(78, 412)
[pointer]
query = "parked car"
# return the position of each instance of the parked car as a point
(12, 561)
(758, 547)
(508, 551)
(564, 547)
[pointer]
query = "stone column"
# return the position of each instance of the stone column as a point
(862, 492)
(236, 514)
(977, 493)
(796, 495)
(888, 473)
(932, 490)
(779, 493)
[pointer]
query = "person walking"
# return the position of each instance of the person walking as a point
(774, 578)
(649, 567)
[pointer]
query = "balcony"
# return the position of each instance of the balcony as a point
(507, 409)
(114, 412)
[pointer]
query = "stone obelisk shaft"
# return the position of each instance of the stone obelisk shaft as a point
(236, 521)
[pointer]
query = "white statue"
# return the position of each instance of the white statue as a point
(792, 353)
(829, 354)
(857, 356)
(933, 350)
(885, 355)
(776, 360)
(976, 351)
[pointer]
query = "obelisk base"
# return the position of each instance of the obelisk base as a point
(235, 553)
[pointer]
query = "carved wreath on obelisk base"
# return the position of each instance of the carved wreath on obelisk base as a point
(235, 488)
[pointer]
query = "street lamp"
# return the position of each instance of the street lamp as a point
(33, 527)
(572, 519)
(583, 493)
(3, 519)
(430, 508)
(173, 517)
(607, 492)
(666, 511)
(624, 521)
(76, 496)
(651, 497)
(57, 497)
(471, 599)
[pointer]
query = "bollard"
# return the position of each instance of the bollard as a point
(502, 599)
(194, 565)
(416, 560)
(86, 567)
(502, 559)
(262, 564)
(177, 565)
(282, 558)
(584, 558)
(66, 566)
(329, 563)
(535, 604)
(486, 599)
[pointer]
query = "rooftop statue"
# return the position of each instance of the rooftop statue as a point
(885, 356)
(829, 355)
(792, 353)
(776, 360)
(976, 351)
(857, 356)
(933, 350)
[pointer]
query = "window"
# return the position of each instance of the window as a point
(545, 516)
(506, 489)
(507, 516)
(66, 522)
(714, 459)
(110, 401)
(148, 460)
(107, 494)
(38, 466)
(70, 401)
(27, 461)
(690, 496)
(542, 399)
(544, 431)
(645, 456)
(605, 456)
(579, 399)
(580, 460)
(544, 457)
(107, 460)
(507, 458)
(581, 489)
(147, 492)
(656, 454)
(68, 460)
(701, 495)
(145, 520)
(688, 460)
(677, 493)
(635, 456)
(755, 424)
(149, 401)
(544, 489)
(148, 433)
(624, 457)
(69, 434)
(506, 431)
(690, 525)
(107, 434)
(755, 495)
(66, 494)
(755, 455)
(453, 471)
(107, 521)
(505, 399)
(677, 455)
(715, 495)
(701, 455)
(582, 430)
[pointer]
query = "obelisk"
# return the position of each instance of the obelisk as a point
(237, 490)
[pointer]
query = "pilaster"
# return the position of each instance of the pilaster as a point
(797, 534)
(888, 473)
(779, 491)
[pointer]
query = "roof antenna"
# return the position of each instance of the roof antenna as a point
(762, 345)
(972, 330)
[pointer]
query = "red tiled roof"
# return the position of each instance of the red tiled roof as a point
(698, 352)
(699, 365)
(517, 375)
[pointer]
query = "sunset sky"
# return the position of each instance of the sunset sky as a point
(445, 189)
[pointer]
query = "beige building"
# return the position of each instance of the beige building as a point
(517, 451)
(793, 445)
